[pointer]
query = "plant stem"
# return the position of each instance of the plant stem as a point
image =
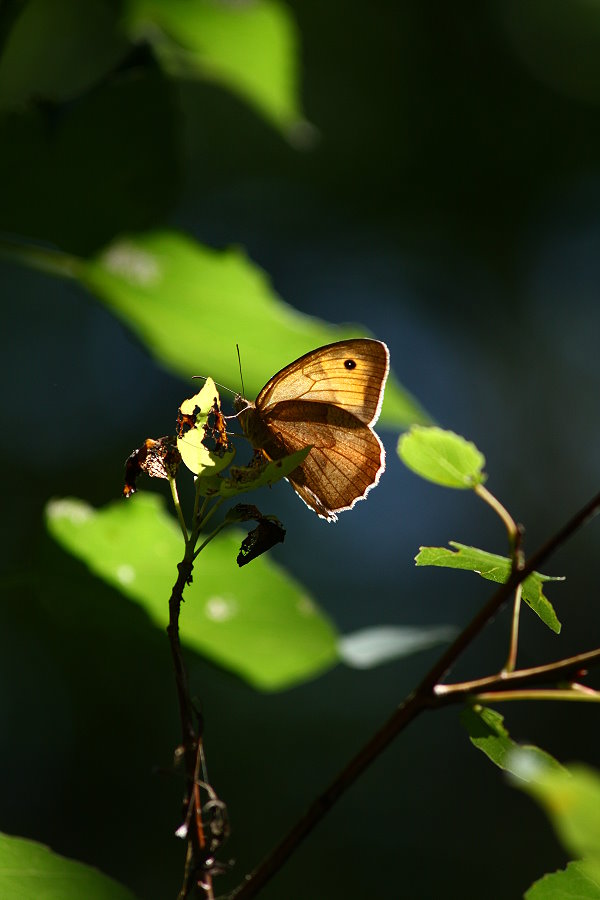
(177, 505)
(190, 737)
(212, 535)
(541, 694)
(427, 695)
(43, 259)
(509, 523)
(210, 513)
(511, 661)
(561, 669)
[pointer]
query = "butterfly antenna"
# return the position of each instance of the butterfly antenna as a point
(237, 347)
(218, 383)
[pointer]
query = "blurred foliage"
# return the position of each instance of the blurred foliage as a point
(251, 48)
(571, 799)
(30, 871)
(258, 622)
(448, 132)
(187, 301)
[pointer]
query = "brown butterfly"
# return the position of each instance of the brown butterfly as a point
(327, 399)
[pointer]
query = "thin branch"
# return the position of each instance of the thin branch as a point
(509, 523)
(499, 598)
(212, 535)
(43, 259)
(177, 505)
(189, 733)
(511, 660)
(210, 513)
(560, 670)
(423, 698)
(541, 694)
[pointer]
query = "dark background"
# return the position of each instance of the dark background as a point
(451, 203)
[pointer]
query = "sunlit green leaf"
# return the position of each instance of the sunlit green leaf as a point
(249, 478)
(190, 305)
(486, 731)
(191, 445)
(256, 621)
(494, 568)
(250, 48)
(442, 456)
(31, 871)
(579, 881)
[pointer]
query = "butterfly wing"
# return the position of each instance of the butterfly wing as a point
(349, 374)
(346, 457)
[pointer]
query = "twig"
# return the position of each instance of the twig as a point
(562, 669)
(540, 694)
(509, 523)
(511, 661)
(422, 698)
(190, 738)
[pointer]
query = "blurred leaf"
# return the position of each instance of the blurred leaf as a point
(190, 304)
(579, 881)
(442, 456)
(250, 48)
(75, 175)
(571, 799)
(370, 647)
(31, 871)
(493, 568)
(257, 621)
(56, 51)
(487, 732)
(546, 37)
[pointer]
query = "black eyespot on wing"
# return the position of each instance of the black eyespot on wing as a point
(350, 364)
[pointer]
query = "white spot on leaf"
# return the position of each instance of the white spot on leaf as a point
(75, 511)
(220, 609)
(126, 573)
(138, 266)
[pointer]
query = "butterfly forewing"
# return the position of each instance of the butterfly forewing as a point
(349, 374)
(326, 400)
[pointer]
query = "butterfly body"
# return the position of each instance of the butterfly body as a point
(327, 399)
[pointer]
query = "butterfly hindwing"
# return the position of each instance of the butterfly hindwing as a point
(346, 458)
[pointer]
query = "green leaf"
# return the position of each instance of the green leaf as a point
(487, 732)
(371, 647)
(256, 621)
(190, 305)
(90, 44)
(243, 479)
(31, 871)
(192, 449)
(571, 799)
(442, 457)
(250, 48)
(493, 568)
(579, 881)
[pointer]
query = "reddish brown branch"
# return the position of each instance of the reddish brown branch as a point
(190, 739)
(422, 698)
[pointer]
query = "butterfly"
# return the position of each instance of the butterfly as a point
(328, 399)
